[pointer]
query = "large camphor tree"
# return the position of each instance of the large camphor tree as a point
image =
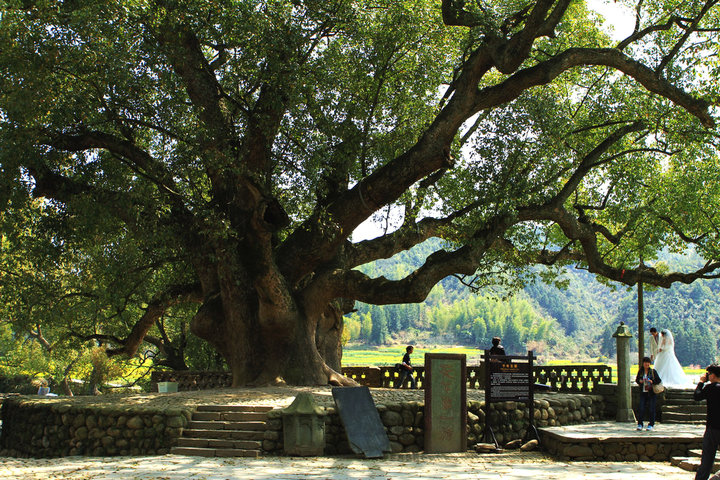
(219, 155)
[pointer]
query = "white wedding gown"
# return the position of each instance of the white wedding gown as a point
(667, 365)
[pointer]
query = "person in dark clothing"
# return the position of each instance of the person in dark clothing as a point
(711, 439)
(646, 378)
(406, 369)
(496, 348)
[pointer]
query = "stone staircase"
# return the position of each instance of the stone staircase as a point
(692, 463)
(224, 431)
(679, 407)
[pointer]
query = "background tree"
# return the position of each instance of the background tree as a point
(223, 153)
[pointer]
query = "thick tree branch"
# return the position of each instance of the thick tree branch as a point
(508, 55)
(454, 14)
(388, 245)
(52, 185)
(155, 309)
(639, 34)
(141, 161)
(184, 51)
(406, 237)
(591, 159)
(38, 335)
(547, 71)
(680, 233)
(585, 235)
(432, 151)
(415, 287)
(689, 30)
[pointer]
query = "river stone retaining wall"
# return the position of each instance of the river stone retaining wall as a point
(39, 428)
(646, 449)
(405, 422)
(42, 429)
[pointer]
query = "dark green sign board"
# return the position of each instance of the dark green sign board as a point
(510, 378)
(509, 381)
(445, 403)
(365, 431)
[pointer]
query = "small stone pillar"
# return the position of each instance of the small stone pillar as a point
(624, 397)
(303, 427)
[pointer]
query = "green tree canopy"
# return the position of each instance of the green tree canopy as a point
(221, 154)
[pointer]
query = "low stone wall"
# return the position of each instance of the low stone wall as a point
(648, 448)
(47, 429)
(50, 428)
(404, 422)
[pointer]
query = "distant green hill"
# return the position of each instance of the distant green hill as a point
(572, 322)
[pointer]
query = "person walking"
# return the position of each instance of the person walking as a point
(406, 369)
(711, 439)
(646, 378)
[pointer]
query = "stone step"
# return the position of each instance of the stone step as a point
(671, 396)
(698, 453)
(219, 443)
(230, 416)
(214, 452)
(218, 425)
(668, 417)
(684, 408)
(234, 408)
(681, 401)
(683, 422)
(690, 464)
(224, 434)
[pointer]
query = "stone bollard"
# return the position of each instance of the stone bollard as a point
(624, 398)
(303, 427)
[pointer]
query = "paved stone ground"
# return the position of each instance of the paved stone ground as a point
(505, 466)
(602, 431)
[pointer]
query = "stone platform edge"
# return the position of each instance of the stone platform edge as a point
(617, 446)
(51, 428)
(56, 428)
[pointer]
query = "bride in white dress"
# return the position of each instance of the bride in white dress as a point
(667, 365)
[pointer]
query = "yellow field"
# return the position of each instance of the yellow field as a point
(360, 356)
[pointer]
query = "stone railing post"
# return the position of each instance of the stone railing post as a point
(624, 398)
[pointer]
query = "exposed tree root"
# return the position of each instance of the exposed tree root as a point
(338, 380)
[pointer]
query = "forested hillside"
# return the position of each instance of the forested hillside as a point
(575, 320)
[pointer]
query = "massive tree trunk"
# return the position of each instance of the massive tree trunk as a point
(259, 352)
(267, 332)
(328, 336)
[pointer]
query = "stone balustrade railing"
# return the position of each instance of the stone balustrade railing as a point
(562, 378)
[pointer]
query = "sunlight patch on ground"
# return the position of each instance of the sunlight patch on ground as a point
(514, 466)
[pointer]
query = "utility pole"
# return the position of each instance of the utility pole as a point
(641, 323)
(641, 314)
